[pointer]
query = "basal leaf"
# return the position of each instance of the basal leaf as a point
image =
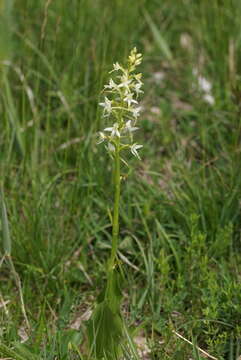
(113, 290)
(105, 331)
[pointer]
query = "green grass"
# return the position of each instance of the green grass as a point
(180, 210)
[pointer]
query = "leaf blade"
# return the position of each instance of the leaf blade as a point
(7, 244)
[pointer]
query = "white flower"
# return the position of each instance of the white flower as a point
(110, 147)
(129, 127)
(102, 137)
(158, 76)
(114, 130)
(111, 85)
(209, 99)
(136, 112)
(134, 149)
(204, 84)
(116, 67)
(129, 99)
(137, 88)
(106, 105)
(125, 81)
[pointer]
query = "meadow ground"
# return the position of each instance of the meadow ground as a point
(180, 206)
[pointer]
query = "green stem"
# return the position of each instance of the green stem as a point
(115, 225)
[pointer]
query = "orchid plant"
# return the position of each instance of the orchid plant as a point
(120, 106)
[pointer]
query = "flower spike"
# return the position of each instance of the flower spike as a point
(122, 106)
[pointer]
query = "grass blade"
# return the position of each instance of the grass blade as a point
(158, 37)
(6, 351)
(7, 245)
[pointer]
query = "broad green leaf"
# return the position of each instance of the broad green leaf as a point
(105, 328)
(113, 290)
(105, 332)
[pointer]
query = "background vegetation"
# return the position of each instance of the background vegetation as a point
(180, 211)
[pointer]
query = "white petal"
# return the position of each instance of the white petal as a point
(109, 129)
(209, 99)
(111, 147)
(204, 84)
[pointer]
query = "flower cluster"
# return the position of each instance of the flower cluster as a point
(121, 105)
